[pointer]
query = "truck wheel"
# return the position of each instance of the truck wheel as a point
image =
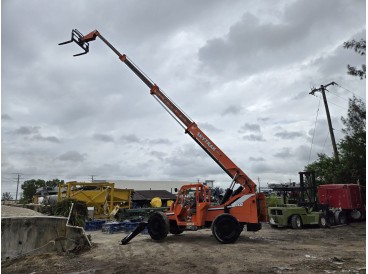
(158, 226)
(226, 228)
(331, 219)
(340, 218)
(296, 222)
(322, 222)
(356, 214)
(175, 229)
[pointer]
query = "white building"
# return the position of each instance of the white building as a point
(152, 185)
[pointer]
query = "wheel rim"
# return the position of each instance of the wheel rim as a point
(323, 221)
(298, 222)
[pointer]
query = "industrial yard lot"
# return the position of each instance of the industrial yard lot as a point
(339, 249)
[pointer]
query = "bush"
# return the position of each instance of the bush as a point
(274, 200)
(78, 215)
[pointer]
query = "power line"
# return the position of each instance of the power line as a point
(349, 91)
(324, 143)
(338, 106)
(314, 130)
(338, 96)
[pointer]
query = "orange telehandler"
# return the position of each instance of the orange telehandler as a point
(193, 208)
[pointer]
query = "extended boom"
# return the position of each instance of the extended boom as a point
(194, 208)
(188, 124)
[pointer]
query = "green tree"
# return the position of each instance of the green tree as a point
(352, 148)
(6, 196)
(54, 183)
(327, 169)
(30, 187)
(352, 165)
(359, 47)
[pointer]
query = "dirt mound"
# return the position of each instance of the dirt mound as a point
(14, 211)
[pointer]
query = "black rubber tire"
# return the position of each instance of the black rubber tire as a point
(226, 228)
(331, 219)
(175, 229)
(341, 218)
(296, 222)
(322, 221)
(158, 226)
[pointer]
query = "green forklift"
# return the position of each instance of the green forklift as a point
(299, 205)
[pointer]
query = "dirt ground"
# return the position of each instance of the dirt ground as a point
(333, 250)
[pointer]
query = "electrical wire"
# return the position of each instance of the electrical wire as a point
(324, 143)
(338, 96)
(337, 105)
(314, 130)
(349, 91)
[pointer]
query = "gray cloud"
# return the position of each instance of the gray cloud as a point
(159, 141)
(256, 159)
(25, 130)
(251, 45)
(254, 138)
(251, 61)
(5, 117)
(158, 154)
(191, 161)
(250, 127)
(289, 135)
(103, 137)
(209, 127)
(284, 153)
(130, 138)
(233, 109)
(72, 156)
(51, 139)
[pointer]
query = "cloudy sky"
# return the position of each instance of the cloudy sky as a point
(242, 70)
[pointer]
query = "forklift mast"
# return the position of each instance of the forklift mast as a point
(306, 191)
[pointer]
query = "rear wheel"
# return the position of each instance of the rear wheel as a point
(331, 219)
(175, 229)
(296, 222)
(356, 215)
(158, 226)
(340, 218)
(226, 228)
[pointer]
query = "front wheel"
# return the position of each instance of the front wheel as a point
(296, 222)
(226, 228)
(158, 226)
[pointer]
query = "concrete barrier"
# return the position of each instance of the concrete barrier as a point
(36, 234)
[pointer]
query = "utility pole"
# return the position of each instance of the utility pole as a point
(92, 177)
(16, 193)
(322, 89)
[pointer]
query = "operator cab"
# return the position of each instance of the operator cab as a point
(191, 204)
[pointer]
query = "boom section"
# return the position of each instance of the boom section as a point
(179, 115)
